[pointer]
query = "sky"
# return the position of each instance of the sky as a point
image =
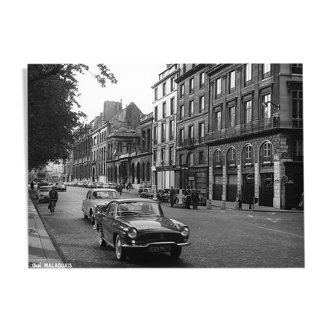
(134, 85)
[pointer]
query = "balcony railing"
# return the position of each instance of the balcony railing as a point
(189, 142)
(247, 128)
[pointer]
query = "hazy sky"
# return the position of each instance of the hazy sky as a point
(134, 85)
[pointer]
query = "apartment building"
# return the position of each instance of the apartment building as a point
(192, 125)
(255, 137)
(164, 127)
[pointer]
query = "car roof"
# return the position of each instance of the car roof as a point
(103, 189)
(129, 200)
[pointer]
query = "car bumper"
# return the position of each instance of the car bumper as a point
(147, 246)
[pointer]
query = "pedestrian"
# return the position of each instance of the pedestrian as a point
(172, 196)
(32, 185)
(188, 196)
(194, 199)
(239, 198)
(120, 189)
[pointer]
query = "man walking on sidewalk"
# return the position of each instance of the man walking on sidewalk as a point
(239, 198)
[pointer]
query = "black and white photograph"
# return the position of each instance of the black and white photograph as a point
(204, 169)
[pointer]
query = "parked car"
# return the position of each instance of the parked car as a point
(42, 184)
(95, 197)
(201, 197)
(147, 193)
(42, 194)
(60, 186)
(139, 225)
(163, 195)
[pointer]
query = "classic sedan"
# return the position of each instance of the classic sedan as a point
(42, 194)
(60, 186)
(95, 197)
(131, 225)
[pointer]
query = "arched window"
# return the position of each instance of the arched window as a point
(266, 154)
(143, 172)
(217, 159)
(231, 158)
(138, 173)
(148, 170)
(247, 156)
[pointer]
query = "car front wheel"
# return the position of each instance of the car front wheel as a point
(119, 251)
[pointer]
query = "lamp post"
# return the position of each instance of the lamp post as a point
(270, 102)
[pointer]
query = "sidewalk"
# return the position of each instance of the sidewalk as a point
(215, 204)
(42, 253)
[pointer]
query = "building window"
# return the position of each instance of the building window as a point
(231, 158)
(190, 159)
(181, 112)
(172, 83)
(297, 105)
(181, 90)
(155, 134)
(156, 113)
(171, 152)
(155, 93)
(201, 132)
(247, 111)
(163, 132)
(201, 157)
(231, 117)
(201, 80)
(266, 70)
(217, 91)
(248, 153)
(155, 156)
(164, 89)
(191, 85)
(266, 113)
(232, 81)
(191, 108)
(181, 159)
(191, 134)
(201, 104)
(297, 149)
(297, 68)
(217, 159)
(172, 105)
(267, 150)
(164, 109)
(171, 130)
(247, 74)
(181, 138)
(162, 156)
(217, 121)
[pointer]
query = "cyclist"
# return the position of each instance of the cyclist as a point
(54, 196)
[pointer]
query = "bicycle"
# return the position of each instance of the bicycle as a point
(53, 201)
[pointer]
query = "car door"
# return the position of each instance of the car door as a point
(108, 220)
(85, 203)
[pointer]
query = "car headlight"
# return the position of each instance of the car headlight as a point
(185, 231)
(132, 232)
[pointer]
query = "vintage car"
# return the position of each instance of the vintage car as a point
(42, 194)
(149, 193)
(95, 197)
(163, 194)
(139, 225)
(201, 197)
(60, 186)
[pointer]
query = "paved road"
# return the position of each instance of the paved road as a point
(219, 238)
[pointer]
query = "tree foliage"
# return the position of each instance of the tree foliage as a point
(52, 93)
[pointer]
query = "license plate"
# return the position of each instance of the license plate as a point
(160, 248)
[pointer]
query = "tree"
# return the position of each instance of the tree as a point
(52, 93)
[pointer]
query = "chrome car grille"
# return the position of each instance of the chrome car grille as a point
(155, 237)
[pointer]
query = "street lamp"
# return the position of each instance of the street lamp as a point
(270, 102)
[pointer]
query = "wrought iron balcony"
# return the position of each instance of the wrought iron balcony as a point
(243, 129)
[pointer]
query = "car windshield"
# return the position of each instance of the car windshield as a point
(105, 194)
(139, 209)
(45, 189)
